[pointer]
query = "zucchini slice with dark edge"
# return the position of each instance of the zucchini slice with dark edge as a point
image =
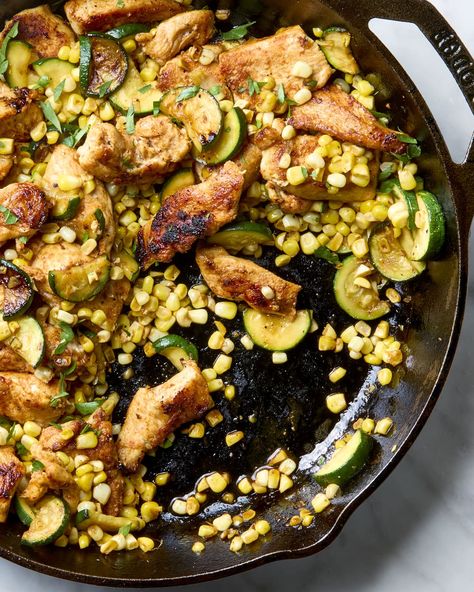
(239, 235)
(276, 333)
(24, 511)
(81, 282)
(18, 55)
(103, 65)
(408, 197)
(17, 290)
(144, 97)
(231, 141)
(389, 257)
(198, 111)
(176, 349)
(65, 209)
(360, 303)
(430, 231)
(347, 461)
(180, 180)
(55, 69)
(29, 342)
(129, 264)
(335, 45)
(128, 30)
(48, 524)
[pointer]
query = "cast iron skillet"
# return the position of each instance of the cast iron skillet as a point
(288, 401)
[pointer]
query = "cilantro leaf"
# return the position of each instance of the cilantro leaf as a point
(104, 88)
(130, 125)
(21, 449)
(407, 139)
(325, 253)
(51, 116)
(120, 3)
(58, 91)
(188, 93)
(144, 89)
(66, 336)
(125, 529)
(9, 216)
(281, 93)
(88, 407)
(99, 216)
(36, 465)
(237, 33)
(62, 393)
(215, 90)
(254, 87)
(42, 82)
(12, 33)
(76, 136)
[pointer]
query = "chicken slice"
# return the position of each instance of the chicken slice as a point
(335, 112)
(64, 160)
(274, 56)
(93, 15)
(249, 161)
(24, 397)
(11, 473)
(155, 148)
(23, 208)
(10, 361)
(313, 188)
(155, 413)
(288, 203)
(190, 214)
(43, 30)
(177, 33)
(242, 280)
(6, 164)
(266, 138)
(18, 112)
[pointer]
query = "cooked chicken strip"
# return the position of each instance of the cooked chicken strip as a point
(190, 214)
(155, 413)
(24, 210)
(11, 473)
(242, 280)
(249, 161)
(10, 361)
(299, 149)
(43, 30)
(177, 33)
(156, 148)
(288, 203)
(64, 160)
(18, 113)
(6, 164)
(274, 56)
(102, 15)
(332, 111)
(266, 138)
(186, 70)
(24, 397)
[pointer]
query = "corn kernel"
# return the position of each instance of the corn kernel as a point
(233, 437)
(384, 426)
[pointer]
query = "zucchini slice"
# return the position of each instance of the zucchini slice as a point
(180, 180)
(55, 69)
(430, 232)
(48, 524)
(231, 141)
(145, 98)
(360, 303)
(29, 342)
(347, 461)
(335, 45)
(276, 333)
(128, 30)
(198, 111)
(389, 257)
(103, 65)
(24, 511)
(81, 282)
(17, 290)
(65, 209)
(239, 235)
(176, 349)
(129, 264)
(18, 55)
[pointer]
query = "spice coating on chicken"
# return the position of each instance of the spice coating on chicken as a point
(11, 473)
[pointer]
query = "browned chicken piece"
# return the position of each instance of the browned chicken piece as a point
(288, 203)
(10, 361)
(249, 161)
(190, 214)
(299, 149)
(266, 138)
(6, 164)
(24, 397)
(102, 15)
(74, 352)
(18, 112)
(24, 210)
(274, 56)
(177, 33)
(64, 160)
(11, 473)
(155, 149)
(335, 112)
(155, 413)
(43, 30)
(242, 280)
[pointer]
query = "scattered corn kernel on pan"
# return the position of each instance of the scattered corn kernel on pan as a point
(278, 411)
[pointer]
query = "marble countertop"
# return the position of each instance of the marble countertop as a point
(416, 533)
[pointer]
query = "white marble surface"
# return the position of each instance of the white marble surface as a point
(416, 533)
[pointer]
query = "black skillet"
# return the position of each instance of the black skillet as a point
(288, 401)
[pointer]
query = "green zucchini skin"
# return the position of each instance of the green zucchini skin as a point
(66, 209)
(176, 349)
(49, 523)
(239, 235)
(275, 333)
(231, 141)
(103, 61)
(24, 511)
(29, 341)
(19, 297)
(73, 285)
(180, 180)
(428, 240)
(19, 55)
(335, 45)
(55, 69)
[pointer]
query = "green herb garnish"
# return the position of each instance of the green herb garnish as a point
(326, 254)
(254, 87)
(36, 465)
(104, 88)
(99, 216)
(156, 108)
(66, 336)
(88, 407)
(188, 93)
(58, 91)
(50, 115)
(125, 529)
(144, 89)
(237, 33)
(130, 125)
(13, 32)
(9, 216)
(215, 90)
(407, 139)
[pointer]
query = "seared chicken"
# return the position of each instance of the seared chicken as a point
(10, 361)
(18, 113)
(186, 70)
(274, 56)
(242, 280)
(24, 397)
(102, 15)
(74, 352)
(6, 164)
(11, 473)
(23, 209)
(190, 214)
(288, 203)
(249, 161)
(335, 112)
(266, 138)
(155, 413)
(43, 30)
(313, 188)
(177, 33)
(154, 149)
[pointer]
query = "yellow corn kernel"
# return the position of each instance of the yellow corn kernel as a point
(385, 376)
(69, 182)
(332, 491)
(63, 53)
(384, 426)
(234, 437)
(368, 425)
(6, 146)
(336, 403)
(226, 310)
(39, 131)
(85, 482)
(52, 137)
(262, 527)
(198, 547)
(84, 540)
(337, 374)
(146, 544)
(74, 55)
(216, 482)
(106, 112)
(150, 511)
(129, 45)
(407, 180)
(320, 502)
(296, 175)
(86, 441)
(207, 531)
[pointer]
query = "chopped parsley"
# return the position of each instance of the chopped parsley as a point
(21, 449)
(88, 407)
(76, 136)
(188, 93)
(254, 87)
(237, 33)
(281, 94)
(66, 336)
(58, 91)
(8, 215)
(13, 32)
(130, 125)
(62, 393)
(125, 529)
(50, 115)
(104, 88)
(99, 216)
(36, 465)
